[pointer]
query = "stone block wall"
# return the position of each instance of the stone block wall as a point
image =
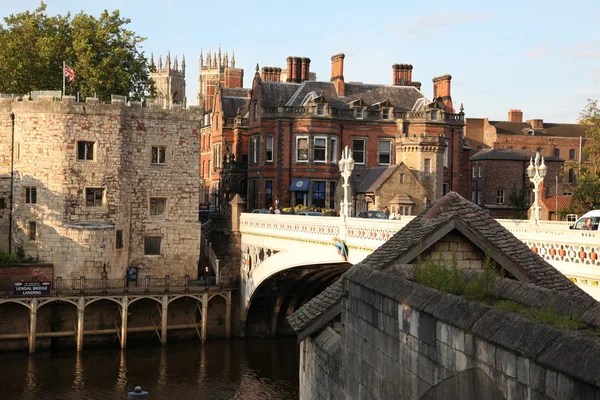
(402, 340)
(78, 238)
(319, 362)
(468, 256)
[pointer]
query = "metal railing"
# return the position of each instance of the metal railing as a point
(118, 286)
(210, 253)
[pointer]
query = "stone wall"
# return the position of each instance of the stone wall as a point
(402, 340)
(79, 238)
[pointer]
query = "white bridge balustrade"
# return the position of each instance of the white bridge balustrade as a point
(273, 243)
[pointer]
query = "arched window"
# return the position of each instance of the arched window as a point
(572, 177)
(572, 154)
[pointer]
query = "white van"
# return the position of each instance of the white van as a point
(593, 215)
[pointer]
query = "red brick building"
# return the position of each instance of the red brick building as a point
(298, 128)
(559, 140)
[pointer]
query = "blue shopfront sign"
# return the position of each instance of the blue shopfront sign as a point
(31, 288)
(299, 185)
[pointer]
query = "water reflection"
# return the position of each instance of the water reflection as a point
(245, 370)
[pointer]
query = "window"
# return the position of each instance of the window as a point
(427, 167)
(318, 193)
(158, 206)
(30, 195)
(386, 113)
(540, 150)
(269, 147)
(119, 239)
(255, 111)
(572, 154)
(85, 150)
(152, 245)
(385, 152)
(480, 171)
(320, 149)
(473, 196)
(572, 177)
(268, 193)
(254, 148)
(571, 217)
(332, 195)
(158, 154)
(474, 174)
(479, 197)
(94, 197)
(401, 178)
(302, 149)
(487, 135)
(216, 157)
(359, 113)
(444, 188)
(567, 193)
(320, 109)
(500, 196)
(557, 153)
(2, 203)
(525, 148)
(333, 151)
(17, 150)
(358, 150)
(446, 150)
(32, 231)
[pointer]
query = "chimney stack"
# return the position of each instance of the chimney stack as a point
(401, 74)
(289, 69)
(441, 89)
(270, 74)
(409, 68)
(305, 74)
(515, 116)
(536, 123)
(337, 74)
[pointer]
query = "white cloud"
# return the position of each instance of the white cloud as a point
(536, 53)
(426, 27)
(590, 49)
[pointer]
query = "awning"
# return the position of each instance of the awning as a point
(299, 185)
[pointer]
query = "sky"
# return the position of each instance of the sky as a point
(542, 57)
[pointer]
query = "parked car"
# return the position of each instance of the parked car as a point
(372, 214)
(260, 211)
(311, 213)
(593, 216)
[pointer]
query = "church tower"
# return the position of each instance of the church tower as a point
(217, 70)
(169, 81)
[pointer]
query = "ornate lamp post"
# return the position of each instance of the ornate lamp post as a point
(536, 172)
(346, 166)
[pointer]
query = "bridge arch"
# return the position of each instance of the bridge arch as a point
(91, 301)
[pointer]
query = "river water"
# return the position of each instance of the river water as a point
(237, 369)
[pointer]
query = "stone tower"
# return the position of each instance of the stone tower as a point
(169, 81)
(217, 70)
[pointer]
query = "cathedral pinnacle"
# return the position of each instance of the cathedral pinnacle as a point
(183, 63)
(160, 65)
(168, 60)
(233, 59)
(201, 60)
(176, 64)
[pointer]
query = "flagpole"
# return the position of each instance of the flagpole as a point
(63, 75)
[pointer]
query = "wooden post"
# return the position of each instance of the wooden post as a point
(165, 318)
(80, 320)
(228, 315)
(124, 312)
(32, 327)
(204, 315)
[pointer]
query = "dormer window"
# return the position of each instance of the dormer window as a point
(320, 109)
(386, 113)
(532, 132)
(359, 113)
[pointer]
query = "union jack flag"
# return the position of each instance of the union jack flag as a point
(69, 73)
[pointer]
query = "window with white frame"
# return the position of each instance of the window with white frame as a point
(254, 147)
(359, 113)
(474, 172)
(427, 167)
(480, 171)
(319, 149)
(479, 197)
(385, 114)
(571, 217)
(302, 149)
(358, 151)
(320, 109)
(31, 195)
(158, 206)
(333, 151)
(385, 151)
(159, 154)
(94, 197)
(473, 196)
(500, 196)
(85, 151)
(269, 148)
(217, 155)
(446, 157)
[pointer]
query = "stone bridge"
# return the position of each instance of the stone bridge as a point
(304, 248)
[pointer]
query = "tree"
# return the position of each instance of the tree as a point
(590, 119)
(106, 57)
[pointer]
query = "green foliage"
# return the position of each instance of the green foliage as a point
(590, 119)
(18, 257)
(546, 315)
(105, 56)
(518, 202)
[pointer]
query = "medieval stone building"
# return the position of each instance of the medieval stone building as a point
(169, 82)
(217, 71)
(101, 186)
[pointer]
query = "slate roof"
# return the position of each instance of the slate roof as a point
(231, 104)
(551, 203)
(236, 92)
(272, 92)
(370, 179)
(327, 300)
(509, 155)
(550, 129)
(468, 218)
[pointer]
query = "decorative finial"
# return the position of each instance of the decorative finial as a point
(168, 60)
(233, 59)
(183, 62)
(462, 109)
(256, 68)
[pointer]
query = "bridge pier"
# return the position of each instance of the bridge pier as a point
(204, 315)
(228, 316)
(124, 314)
(32, 325)
(164, 319)
(80, 321)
